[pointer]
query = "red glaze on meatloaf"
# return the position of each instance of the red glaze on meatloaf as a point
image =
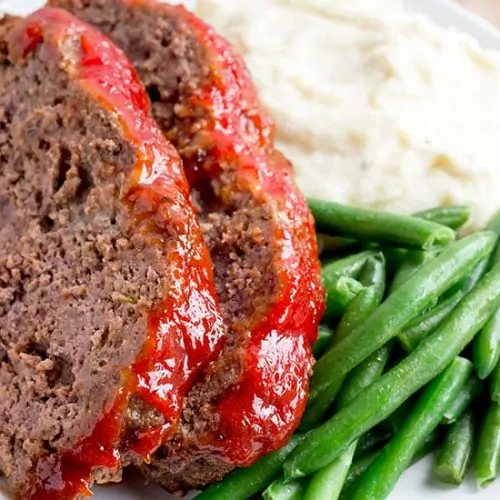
(108, 309)
(257, 226)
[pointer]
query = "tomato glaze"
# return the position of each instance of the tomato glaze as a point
(259, 413)
(185, 330)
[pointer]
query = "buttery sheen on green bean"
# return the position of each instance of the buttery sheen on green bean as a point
(412, 298)
(382, 475)
(431, 357)
(384, 227)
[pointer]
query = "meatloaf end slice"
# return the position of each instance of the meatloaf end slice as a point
(81, 267)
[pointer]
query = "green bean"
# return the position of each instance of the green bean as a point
(360, 466)
(285, 490)
(358, 311)
(363, 375)
(347, 266)
(325, 336)
(360, 308)
(395, 420)
(427, 447)
(372, 440)
(342, 269)
(243, 483)
(328, 482)
(455, 454)
(486, 347)
(412, 298)
(340, 295)
(328, 441)
(414, 260)
(317, 408)
(473, 276)
(422, 326)
(394, 258)
(463, 401)
(373, 272)
(383, 227)
(488, 450)
(453, 216)
(477, 273)
(382, 475)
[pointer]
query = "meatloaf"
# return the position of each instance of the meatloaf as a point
(107, 304)
(257, 227)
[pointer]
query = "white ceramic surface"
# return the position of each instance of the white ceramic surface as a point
(416, 483)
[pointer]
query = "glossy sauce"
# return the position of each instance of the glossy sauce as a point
(259, 414)
(185, 331)
(63, 476)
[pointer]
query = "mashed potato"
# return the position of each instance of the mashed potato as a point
(375, 107)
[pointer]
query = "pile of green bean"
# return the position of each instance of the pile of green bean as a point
(408, 360)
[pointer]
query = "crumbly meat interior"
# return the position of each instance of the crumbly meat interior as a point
(73, 282)
(237, 228)
(172, 65)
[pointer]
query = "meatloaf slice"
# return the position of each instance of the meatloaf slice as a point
(106, 289)
(256, 224)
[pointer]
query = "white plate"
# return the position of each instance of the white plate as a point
(417, 483)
